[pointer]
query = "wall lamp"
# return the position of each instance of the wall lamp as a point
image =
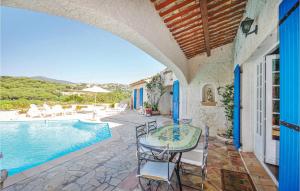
(246, 26)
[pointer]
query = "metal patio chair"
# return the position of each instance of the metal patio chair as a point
(185, 121)
(141, 130)
(159, 169)
(152, 125)
(197, 157)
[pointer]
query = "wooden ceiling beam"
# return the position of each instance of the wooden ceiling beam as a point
(239, 5)
(191, 36)
(225, 28)
(231, 33)
(225, 18)
(192, 42)
(181, 13)
(175, 7)
(227, 15)
(186, 24)
(164, 4)
(216, 4)
(224, 41)
(204, 16)
(196, 37)
(199, 44)
(223, 38)
(188, 33)
(193, 48)
(199, 41)
(187, 29)
(225, 32)
(195, 53)
(184, 19)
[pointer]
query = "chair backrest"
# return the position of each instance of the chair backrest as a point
(206, 135)
(163, 156)
(152, 125)
(185, 121)
(140, 130)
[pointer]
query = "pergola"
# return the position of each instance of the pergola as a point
(201, 25)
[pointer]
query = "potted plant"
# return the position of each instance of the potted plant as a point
(226, 94)
(155, 90)
(148, 109)
(155, 110)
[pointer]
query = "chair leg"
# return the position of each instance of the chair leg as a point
(157, 186)
(143, 189)
(172, 187)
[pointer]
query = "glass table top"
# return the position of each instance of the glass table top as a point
(180, 138)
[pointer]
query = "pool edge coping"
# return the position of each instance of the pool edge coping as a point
(11, 180)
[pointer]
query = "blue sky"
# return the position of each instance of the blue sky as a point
(37, 44)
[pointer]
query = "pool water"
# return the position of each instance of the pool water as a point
(27, 144)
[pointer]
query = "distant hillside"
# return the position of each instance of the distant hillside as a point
(20, 92)
(108, 86)
(115, 87)
(51, 80)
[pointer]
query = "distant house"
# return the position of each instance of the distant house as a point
(139, 93)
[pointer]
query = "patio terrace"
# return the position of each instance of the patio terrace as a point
(111, 164)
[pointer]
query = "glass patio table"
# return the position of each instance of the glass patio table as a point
(180, 138)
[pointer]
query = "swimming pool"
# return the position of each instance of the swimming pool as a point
(27, 144)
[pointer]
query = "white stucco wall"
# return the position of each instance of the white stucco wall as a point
(217, 71)
(247, 53)
(145, 98)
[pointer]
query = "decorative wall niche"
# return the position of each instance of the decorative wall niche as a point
(208, 95)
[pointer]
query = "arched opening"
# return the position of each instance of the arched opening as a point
(135, 22)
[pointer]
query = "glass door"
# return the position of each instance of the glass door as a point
(260, 110)
(272, 109)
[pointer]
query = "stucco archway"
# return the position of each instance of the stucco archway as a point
(135, 20)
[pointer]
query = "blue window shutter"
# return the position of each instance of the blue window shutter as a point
(134, 98)
(289, 151)
(236, 109)
(141, 97)
(176, 101)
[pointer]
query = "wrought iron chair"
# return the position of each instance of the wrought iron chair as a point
(156, 170)
(186, 121)
(152, 125)
(141, 130)
(197, 157)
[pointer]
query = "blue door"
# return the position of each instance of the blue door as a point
(236, 109)
(141, 96)
(176, 101)
(134, 98)
(289, 154)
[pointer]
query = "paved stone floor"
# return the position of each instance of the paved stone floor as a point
(113, 166)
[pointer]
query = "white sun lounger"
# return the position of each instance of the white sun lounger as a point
(58, 110)
(33, 111)
(47, 111)
(71, 110)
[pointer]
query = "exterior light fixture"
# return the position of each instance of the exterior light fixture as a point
(246, 26)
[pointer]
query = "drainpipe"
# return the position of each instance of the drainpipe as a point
(4, 174)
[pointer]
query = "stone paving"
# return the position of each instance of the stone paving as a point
(101, 169)
(112, 165)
